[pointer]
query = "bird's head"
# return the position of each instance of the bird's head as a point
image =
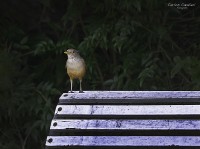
(72, 52)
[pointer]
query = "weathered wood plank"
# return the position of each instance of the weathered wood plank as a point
(140, 101)
(126, 124)
(131, 95)
(123, 141)
(128, 110)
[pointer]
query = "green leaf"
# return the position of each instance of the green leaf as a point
(24, 40)
(178, 66)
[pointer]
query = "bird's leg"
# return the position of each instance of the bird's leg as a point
(71, 82)
(81, 91)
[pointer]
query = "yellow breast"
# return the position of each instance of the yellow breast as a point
(76, 68)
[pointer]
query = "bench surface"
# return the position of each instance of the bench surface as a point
(128, 119)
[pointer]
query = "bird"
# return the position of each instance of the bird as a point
(75, 66)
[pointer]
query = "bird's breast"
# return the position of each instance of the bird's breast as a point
(75, 68)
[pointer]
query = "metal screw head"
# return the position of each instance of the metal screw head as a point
(50, 140)
(59, 109)
(54, 124)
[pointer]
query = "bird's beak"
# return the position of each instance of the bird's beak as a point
(66, 52)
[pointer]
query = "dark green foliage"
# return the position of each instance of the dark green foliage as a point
(127, 45)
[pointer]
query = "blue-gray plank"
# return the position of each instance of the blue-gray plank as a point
(122, 141)
(128, 110)
(122, 124)
(131, 95)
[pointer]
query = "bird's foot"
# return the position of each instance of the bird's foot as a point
(81, 91)
(71, 92)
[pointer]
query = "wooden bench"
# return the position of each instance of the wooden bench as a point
(126, 119)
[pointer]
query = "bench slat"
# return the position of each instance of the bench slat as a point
(126, 124)
(128, 110)
(131, 94)
(122, 141)
(150, 101)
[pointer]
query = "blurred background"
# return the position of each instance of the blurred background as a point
(127, 45)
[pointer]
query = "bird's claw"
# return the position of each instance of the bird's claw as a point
(71, 92)
(81, 91)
